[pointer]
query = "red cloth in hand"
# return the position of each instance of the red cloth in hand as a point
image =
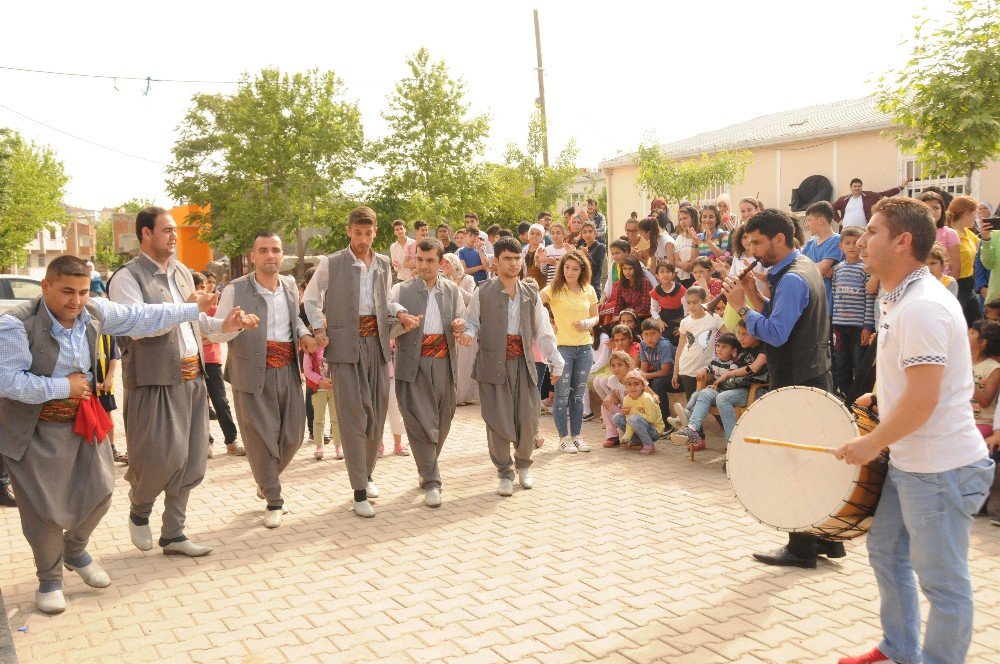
(92, 421)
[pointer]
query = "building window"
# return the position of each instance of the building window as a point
(709, 196)
(52, 233)
(41, 260)
(919, 179)
(84, 240)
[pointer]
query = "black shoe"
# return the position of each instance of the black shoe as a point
(785, 558)
(830, 549)
(212, 415)
(7, 496)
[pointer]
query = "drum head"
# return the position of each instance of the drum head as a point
(791, 489)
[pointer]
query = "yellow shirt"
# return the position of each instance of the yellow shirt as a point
(646, 407)
(968, 242)
(569, 307)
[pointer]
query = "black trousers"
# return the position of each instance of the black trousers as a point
(217, 395)
(847, 355)
(309, 409)
(4, 477)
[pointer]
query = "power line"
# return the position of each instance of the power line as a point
(110, 77)
(80, 138)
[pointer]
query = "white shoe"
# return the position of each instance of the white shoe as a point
(566, 445)
(580, 445)
(318, 454)
(93, 575)
(432, 497)
(682, 413)
(141, 536)
(676, 423)
(372, 490)
(186, 548)
(506, 487)
(272, 518)
(50, 602)
(364, 509)
(524, 478)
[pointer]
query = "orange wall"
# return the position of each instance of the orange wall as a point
(190, 249)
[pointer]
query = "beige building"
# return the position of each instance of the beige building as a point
(588, 183)
(839, 141)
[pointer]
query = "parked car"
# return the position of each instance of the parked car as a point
(15, 289)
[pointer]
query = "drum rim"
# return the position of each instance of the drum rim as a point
(857, 469)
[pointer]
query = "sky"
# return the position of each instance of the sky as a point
(615, 72)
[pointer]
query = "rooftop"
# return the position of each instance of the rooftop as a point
(840, 118)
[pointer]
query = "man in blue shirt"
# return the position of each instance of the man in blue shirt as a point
(474, 256)
(795, 325)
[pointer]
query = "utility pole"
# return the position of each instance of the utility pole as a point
(541, 92)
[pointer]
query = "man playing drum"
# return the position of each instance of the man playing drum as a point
(939, 470)
(795, 325)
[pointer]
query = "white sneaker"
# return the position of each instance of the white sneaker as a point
(566, 445)
(318, 454)
(364, 509)
(506, 487)
(682, 413)
(432, 497)
(272, 518)
(524, 478)
(675, 422)
(580, 445)
(142, 536)
(186, 548)
(93, 575)
(372, 490)
(50, 602)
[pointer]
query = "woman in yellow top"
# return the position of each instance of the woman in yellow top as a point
(573, 302)
(961, 216)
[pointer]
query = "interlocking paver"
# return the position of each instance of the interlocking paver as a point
(561, 573)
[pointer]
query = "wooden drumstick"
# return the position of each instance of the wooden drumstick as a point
(794, 446)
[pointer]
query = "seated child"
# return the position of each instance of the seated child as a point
(667, 300)
(640, 419)
(621, 339)
(656, 358)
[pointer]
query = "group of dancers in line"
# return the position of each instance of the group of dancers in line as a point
(54, 433)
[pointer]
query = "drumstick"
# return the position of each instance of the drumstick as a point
(794, 446)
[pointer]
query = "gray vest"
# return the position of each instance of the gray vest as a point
(413, 297)
(804, 359)
(341, 307)
(491, 360)
(156, 360)
(246, 362)
(18, 419)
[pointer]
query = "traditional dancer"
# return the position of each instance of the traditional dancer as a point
(63, 480)
(359, 317)
(507, 317)
(263, 370)
(166, 401)
(426, 367)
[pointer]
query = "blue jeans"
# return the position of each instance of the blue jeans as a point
(643, 428)
(701, 403)
(922, 525)
(571, 389)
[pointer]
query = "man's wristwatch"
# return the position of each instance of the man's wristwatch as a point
(742, 311)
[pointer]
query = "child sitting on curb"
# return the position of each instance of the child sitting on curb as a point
(640, 421)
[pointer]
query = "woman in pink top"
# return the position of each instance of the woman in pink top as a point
(947, 236)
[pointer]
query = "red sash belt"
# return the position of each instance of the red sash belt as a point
(434, 345)
(60, 411)
(279, 354)
(190, 368)
(90, 420)
(368, 326)
(514, 346)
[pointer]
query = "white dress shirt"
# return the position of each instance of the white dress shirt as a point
(315, 292)
(279, 325)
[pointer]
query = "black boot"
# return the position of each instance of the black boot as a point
(799, 552)
(830, 549)
(7, 496)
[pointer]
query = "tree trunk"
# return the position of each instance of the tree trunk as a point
(237, 265)
(968, 179)
(300, 264)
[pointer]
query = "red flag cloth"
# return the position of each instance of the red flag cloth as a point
(92, 421)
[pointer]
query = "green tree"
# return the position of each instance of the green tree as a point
(274, 155)
(133, 205)
(428, 161)
(946, 99)
(659, 175)
(105, 256)
(31, 192)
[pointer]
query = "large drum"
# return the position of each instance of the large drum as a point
(803, 491)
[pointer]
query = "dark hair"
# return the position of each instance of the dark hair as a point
(146, 218)
(472, 215)
(469, 230)
(493, 230)
(662, 264)
(523, 227)
(851, 231)
(934, 196)
(946, 196)
(728, 339)
(699, 291)
(621, 245)
(591, 200)
(702, 262)
(507, 244)
(906, 215)
(363, 215)
(542, 215)
(650, 226)
(650, 324)
(309, 274)
(692, 215)
(713, 208)
(431, 244)
(444, 225)
(989, 331)
(742, 324)
(398, 223)
(858, 180)
(570, 210)
(821, 209)
(266, 233)
(736, 241)
(198, 278)
(993, 304)
(622, 329)
(637, 275)
(419, 223)
(67, 266)
(770, 223)
(559, 280)
(208, 275)
(505, 232)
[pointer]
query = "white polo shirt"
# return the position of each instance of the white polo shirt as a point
(922, 323)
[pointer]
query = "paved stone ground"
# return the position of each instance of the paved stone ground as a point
(611, 557)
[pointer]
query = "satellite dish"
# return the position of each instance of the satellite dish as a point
(813, 189)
